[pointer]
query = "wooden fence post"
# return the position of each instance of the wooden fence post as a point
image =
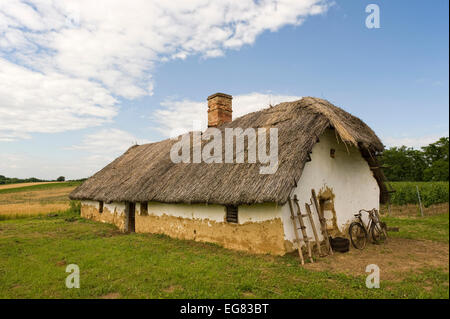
(420, 201)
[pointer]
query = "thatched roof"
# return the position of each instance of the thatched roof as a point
(146, 172)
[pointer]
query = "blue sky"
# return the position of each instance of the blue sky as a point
(395, 78)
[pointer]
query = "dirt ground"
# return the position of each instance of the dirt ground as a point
(397, 259)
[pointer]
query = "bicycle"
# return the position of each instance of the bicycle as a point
(359, 232)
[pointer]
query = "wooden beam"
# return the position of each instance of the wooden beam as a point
(323, 223)
(313, 225)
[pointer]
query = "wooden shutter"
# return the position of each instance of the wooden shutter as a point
(144, 209)
(232, 214)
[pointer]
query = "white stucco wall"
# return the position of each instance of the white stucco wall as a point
(90, 203)
(115, 206)
(217, 213)
(348, 176)
(258, 212)
(118, 207)
(199, 211)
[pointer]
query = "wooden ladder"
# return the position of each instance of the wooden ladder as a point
(323, 222)
(299, 216)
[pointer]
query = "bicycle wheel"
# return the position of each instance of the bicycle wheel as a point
(358, 235)
(379, 233)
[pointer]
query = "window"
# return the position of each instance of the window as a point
(144, 209)
(332, 153)
(100, 207)
(232, 214)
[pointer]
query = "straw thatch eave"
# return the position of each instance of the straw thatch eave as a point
(146, 173)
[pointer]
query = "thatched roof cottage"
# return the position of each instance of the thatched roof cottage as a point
(320, 146)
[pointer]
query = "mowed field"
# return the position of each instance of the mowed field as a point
(19, 185)
(23, 199)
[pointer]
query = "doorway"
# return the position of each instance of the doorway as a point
(131, 217)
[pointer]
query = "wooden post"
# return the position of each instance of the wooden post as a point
(420, 201)
(323, 222)
(297, 238)
(389, 207)
(313, 225)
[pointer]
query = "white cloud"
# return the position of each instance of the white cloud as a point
(98, 149)
(12, 136)
(95, 151)
(108, 141)
(415, 142)
(33, 102)
(76, 57)
(179, 116)
(24, 165)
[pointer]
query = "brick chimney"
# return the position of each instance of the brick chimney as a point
(219, 109)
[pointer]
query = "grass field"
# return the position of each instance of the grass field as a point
(19, 188)
(434, 228)
(413, 210)
(430, 192)
(6, 186)
(36, 247)
(35, 251)
(18, 200)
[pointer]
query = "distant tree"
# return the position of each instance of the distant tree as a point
(9, 180)
(436, 157)
(403, 164)
(428, 164)
(61, 179)
(438, 171)
(437, 151)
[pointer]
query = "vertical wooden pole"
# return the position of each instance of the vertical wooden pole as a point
(313, 225)
(420, 201)
(323, 222)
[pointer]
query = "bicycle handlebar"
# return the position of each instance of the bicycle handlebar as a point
(370, 212)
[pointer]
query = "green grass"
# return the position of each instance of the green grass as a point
(19, 216)
(39, 187)
(434, 228)
(34, 253)
(430, 193)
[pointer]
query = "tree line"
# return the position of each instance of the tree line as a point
(14, 180)
(429, 163)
